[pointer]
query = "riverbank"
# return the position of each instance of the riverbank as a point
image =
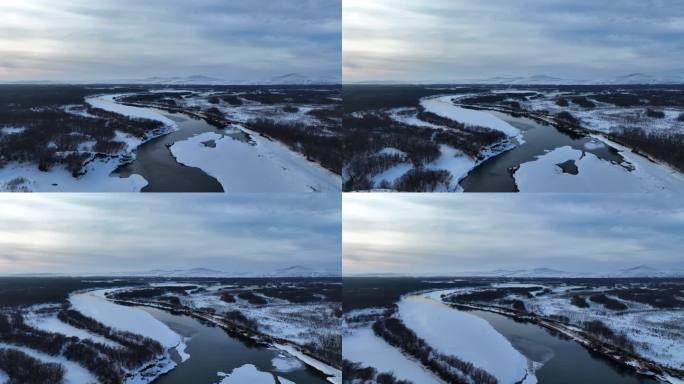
(636, 363)
(333, 373)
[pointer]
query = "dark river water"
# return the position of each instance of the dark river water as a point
(212, 350)
(566, 361)
(494, 174)
(157, 165)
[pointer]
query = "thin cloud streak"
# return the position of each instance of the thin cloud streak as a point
(455, 40)
(112, 233)
(436, 233)
(119, 39)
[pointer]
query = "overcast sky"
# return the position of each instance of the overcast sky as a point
(104, 233)
(451, 40)
(120, 39)
(452, 234)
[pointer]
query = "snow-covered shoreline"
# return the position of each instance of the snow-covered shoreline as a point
(466, 336)
(261, 165)
(98, 172)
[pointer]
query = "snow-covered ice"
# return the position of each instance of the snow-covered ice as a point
(263, 167)
(444, 107)
(74, 373)
(246, 374)
(24, 177)
(465, 336)
(94, 304)
(108, 103)
(596, 175)
(283, 363)
(363, 346)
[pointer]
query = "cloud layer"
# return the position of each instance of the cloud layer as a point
(106, 233)
(443, 233)
(452, 40)
(119, 39)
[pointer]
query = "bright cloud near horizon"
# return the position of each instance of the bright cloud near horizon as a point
(118, 233)
(81, 40)
(453, 234)
(452, 40)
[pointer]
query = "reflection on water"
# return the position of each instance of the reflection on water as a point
(157, 165)
(565, 361)
(212, 350)
(495, 174)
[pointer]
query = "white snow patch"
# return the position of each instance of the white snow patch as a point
(266, 166)
(362, 346)
(75, 373)
(466, 336)
(284, 363)
(246, 374)
(12, 130)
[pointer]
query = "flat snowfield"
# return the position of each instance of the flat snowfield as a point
(444, 107)
(465, 336)
(263, 167)
(94, 304)
(362, 346)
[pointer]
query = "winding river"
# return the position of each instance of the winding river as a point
(157, 165)
(495, 174)
(212, 350)
(565, 361)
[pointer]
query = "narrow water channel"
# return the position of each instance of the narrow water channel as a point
(495, 174)
(157, 165)
(213, 350)
(565, 361)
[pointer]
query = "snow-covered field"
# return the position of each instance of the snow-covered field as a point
(260, 166)
(466, 336)
(605, 117)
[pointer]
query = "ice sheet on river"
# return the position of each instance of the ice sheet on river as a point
(465, 336)
(267, 166)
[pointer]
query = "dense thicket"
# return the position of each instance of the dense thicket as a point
(664, 146)
(317, 145)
